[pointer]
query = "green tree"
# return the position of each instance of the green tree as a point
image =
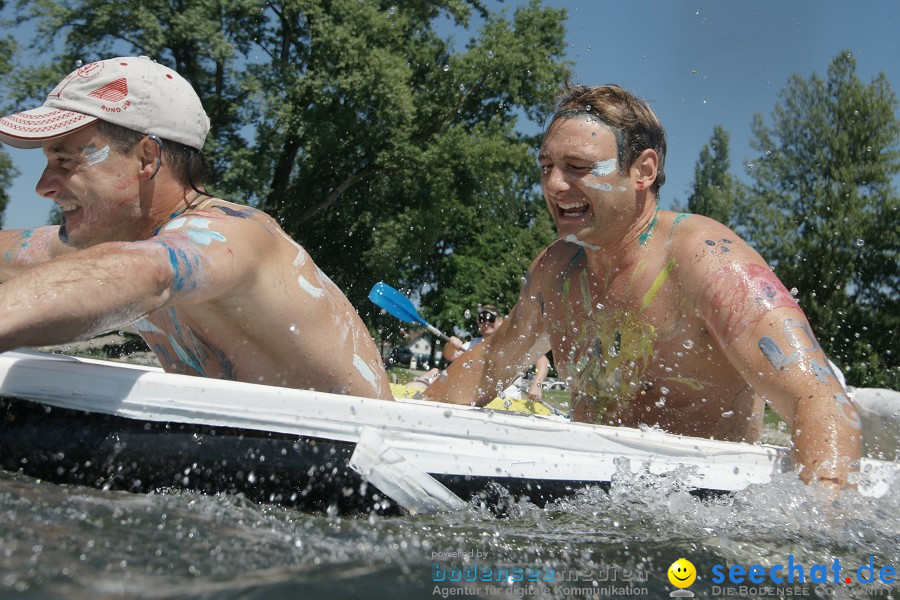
(7, 171)
(379, 144)
(824, 211)
(714, 188)
(490, 269)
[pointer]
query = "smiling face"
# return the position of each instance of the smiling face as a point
(96, 188)
(486, 326)
(585, 192)
(682, 573)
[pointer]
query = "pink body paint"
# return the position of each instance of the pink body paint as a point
(743, 294)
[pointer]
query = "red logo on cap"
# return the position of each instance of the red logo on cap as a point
(112, 92)
(89, 70)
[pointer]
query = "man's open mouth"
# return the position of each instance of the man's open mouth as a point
(572, 209)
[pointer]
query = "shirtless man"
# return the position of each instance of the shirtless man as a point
(216, 289)
(656, 317)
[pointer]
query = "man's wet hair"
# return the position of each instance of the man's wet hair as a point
(630, 118)
(187, 164)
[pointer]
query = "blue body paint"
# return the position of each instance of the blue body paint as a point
(775, 354)
(182, 269)
(245, 213)
(186, 357)
(645, 237)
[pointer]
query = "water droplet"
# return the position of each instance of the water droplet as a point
(294, 329)
(79, 63)
(468, 314)
(728, 414)
(688, 344)
(663, 390)
(446, 68)
(794, 291)
(490, 54)
(860, 242)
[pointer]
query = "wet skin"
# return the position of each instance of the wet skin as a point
(216, 289)
(657, 318)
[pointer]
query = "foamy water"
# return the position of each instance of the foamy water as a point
(70, 542)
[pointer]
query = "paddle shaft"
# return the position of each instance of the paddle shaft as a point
(437, 332)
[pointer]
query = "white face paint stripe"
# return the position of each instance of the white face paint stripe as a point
(603, 187)
(97, 157)
(310, 288)
(604, 167)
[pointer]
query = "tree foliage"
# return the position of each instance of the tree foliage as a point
(7, 170)
(715, 189)
(380, 144)
(824, 211)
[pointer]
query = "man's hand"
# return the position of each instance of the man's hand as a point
(453, 349)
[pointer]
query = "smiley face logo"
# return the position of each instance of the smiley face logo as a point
(682, 573)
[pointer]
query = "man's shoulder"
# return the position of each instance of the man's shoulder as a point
(225, 210)
(216, 225)
(687, 227)
(559, 254)
(238, 218)
(557, 260)
(703, 248)
(696, 236)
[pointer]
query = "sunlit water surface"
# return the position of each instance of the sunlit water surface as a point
(71, 542)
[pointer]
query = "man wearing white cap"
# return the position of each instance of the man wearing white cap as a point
(216, 289)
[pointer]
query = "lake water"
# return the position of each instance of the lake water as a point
(71, 542)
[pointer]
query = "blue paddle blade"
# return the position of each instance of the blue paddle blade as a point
(395, 303)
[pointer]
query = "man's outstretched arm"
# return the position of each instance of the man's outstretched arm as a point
(84, 293)
(541, 369)
(80, 295)
(478, 375)
(766, 336)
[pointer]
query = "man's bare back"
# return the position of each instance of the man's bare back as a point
(297, 330)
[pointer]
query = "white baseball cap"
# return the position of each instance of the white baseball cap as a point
(130, 91)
